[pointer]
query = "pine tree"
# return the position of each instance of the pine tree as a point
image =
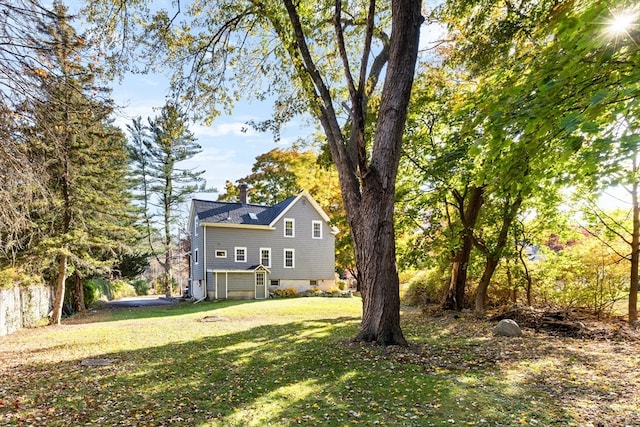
(156, 151)
(87, 215)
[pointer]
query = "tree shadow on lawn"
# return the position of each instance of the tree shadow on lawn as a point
(106, 313)
(304, 372)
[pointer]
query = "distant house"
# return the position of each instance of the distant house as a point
(241, 250)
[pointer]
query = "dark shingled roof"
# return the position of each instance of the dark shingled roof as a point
(237, 213)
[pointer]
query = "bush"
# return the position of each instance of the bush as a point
(91, 293)
(333, 291)
(10, 277)
(122, 288)
(284, 293)
(141, 286)
(314, 291)
(101, 287)
(426, 287)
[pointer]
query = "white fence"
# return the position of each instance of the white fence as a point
(24, 307)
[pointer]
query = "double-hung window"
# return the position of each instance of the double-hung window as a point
(289, 258)
(316, 229)
(265, 257)
(289, 227)
(241, 254)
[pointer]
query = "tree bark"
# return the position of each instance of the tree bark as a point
(493, 256)
(635, 255)
(454, 297)
(367, 185)
(374, 235)
(60, 284)
(483, 286)
(79, 293)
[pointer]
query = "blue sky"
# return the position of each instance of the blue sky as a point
(228, 153)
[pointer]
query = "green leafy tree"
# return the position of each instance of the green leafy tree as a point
(287, 43)
(86, 218)
(156, 151)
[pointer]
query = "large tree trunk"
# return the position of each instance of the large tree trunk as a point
(454, 297)
(78, 293)
(493, 255)
(483, 286)
(374, 239)
(368, 185)
(635, 255)
(374, 236)
(60, 284)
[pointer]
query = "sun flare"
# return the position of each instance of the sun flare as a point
(622, 22)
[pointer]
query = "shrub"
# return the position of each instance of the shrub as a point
(141, 286)
(284, 293)
(426, 287)
(333, 291)
(586, 275)
(91, 292)
(342, 285)
(10, 277)
(100, 286)
(314, 291)
(122, 288)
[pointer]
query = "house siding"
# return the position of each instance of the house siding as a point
(197, 270)
(314, 258)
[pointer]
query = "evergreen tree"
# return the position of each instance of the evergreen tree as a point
(86, 220)
(155, 153)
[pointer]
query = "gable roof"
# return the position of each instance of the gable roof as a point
(237, 214)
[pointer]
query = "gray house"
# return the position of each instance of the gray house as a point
(241, 250)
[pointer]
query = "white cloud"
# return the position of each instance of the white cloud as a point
(223, 129)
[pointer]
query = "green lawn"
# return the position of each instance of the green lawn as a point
(290, 362)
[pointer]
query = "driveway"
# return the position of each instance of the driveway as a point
(142, 301)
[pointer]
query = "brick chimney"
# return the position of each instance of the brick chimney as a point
(243, 193)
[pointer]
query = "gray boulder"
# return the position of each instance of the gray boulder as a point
(507, 328)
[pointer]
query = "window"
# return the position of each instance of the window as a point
(195, 256)
(221, 254)
(265, 257)
(241, 254)
(316, 227)
(260, 279)
(275, 283)
(289, 228)
(289, 258)
(196, 225)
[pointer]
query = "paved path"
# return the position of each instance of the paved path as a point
(142, 301)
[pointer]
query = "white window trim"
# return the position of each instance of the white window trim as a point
(313, 229)
(293, 227)
(223, 251)
(260, 254)
(293, 258)
(196, 225)
(195, 257)
(235, 251)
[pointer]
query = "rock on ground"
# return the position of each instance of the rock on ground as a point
(507, 328)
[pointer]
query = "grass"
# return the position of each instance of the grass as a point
(288, 362)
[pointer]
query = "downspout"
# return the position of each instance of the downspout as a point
(204, 260)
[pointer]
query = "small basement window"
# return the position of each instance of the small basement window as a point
(221, 254)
